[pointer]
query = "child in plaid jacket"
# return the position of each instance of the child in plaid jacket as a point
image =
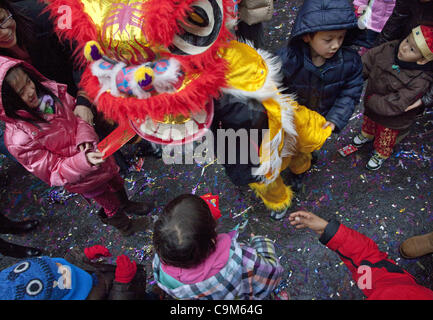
(192, 261)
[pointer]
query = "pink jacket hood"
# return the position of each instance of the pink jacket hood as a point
(6, 64)
(210, 267)
(376, 13)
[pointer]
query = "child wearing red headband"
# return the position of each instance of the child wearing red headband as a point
(398, 73)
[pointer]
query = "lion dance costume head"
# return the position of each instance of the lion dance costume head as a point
(158, 65)
(152, 63)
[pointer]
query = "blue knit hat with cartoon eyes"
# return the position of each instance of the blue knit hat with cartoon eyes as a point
(44, 278)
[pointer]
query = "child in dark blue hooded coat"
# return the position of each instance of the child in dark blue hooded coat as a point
(318, 65)
(330, 81)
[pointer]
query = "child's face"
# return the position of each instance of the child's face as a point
(408, 50)
(326, 43)
(8, 36)
(24, 87)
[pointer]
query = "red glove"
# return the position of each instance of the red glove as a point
(357, 13)
(96, 251)
(125, 270)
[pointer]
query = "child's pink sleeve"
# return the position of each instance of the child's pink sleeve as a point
(51, 168)
(85, 133)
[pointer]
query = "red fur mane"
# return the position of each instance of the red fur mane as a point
(160, 26)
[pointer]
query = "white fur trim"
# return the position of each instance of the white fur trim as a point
(287, 122)
(272, 88)
(273, 165)
(164, 82)
(113, 85)
(107, 78)
(97, 71)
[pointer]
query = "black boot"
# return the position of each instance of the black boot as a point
(124, 224)
(17, 251)
(16, 227)
(132, 207)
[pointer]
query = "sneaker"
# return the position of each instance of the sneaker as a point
(278, 215)
(360, 140)
(375, 162)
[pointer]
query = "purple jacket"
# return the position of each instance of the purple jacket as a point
(51, 152)
(375, 14)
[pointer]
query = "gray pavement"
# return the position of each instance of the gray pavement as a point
(388, 205)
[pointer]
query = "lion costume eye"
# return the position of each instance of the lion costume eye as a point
(201, 29)
(198, 17)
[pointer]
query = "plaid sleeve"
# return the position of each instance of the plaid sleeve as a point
(262, 269)
(266, 250)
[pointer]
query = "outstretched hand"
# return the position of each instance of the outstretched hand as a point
(305, 219)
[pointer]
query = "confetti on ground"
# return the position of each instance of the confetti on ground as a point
(388, 206)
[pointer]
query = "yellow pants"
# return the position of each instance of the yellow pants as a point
(276, 195)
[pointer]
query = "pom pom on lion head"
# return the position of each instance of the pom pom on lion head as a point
(178, 39)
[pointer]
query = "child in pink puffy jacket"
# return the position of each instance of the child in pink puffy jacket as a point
(372, 16)
(45, 136)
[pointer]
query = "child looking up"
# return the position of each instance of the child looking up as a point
(398, 73)
(192, 259)
(45, 136)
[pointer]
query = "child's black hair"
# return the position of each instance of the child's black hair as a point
(184, 235)
(12, 102)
